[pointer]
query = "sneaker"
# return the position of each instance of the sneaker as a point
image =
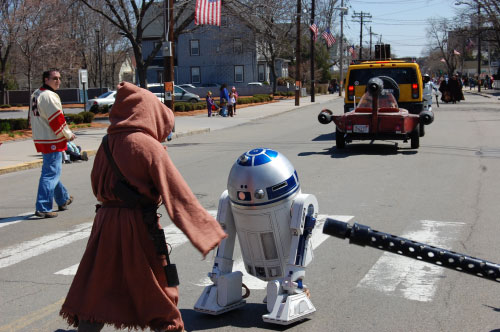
(85, 156)
(67, 161)
(64, 207)
(46, 214)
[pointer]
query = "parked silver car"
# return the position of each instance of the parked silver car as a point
(179, 93)
(107, 98)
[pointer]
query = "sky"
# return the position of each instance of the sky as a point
(401, 23)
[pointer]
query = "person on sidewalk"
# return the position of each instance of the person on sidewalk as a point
(121, 279)
(235, 94)
(74, 153)
(50, 135)
(224, 98)
(210, 104)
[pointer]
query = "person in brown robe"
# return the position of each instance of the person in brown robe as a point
(120, 279)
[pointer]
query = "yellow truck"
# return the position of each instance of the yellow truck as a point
(409, 92)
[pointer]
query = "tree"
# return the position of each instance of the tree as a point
(438, 33)
(9, 29)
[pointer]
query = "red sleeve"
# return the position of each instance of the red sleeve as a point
(57, 122)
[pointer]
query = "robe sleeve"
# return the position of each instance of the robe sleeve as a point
(204, 232)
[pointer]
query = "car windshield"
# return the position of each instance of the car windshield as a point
(402, 75)
(104, 95)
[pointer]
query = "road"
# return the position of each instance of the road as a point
(445, 193)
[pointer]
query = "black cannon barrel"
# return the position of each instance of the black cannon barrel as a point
(364, 236)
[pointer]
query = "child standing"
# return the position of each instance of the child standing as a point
(210, 103)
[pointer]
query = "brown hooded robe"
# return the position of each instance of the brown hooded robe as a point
(120, 279)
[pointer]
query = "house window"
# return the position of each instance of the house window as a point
(194, 47)
(237, 46)
(195, 75)
(262, 73)
(238, 74)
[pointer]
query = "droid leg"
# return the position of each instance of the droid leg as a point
(288, 298)
(225, 292)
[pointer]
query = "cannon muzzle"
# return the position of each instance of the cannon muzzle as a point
(325, 116)
(364, 236)
(375, 86)
(426, 117)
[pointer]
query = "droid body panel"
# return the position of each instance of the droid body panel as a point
(273, 220)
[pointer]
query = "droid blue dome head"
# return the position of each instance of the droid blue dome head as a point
(261, 177)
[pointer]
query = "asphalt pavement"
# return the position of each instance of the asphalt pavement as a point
(21, 154)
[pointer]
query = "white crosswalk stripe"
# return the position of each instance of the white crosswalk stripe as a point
(29, 249)
(404, 277)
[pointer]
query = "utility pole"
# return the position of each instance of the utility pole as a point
(313, 91)
(343, 11)
(362, 16)
(168, 53)
(478, 46)
(297, 56)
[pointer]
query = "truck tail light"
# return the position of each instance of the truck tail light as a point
(348, 127)
(350, 92)
(414, 90)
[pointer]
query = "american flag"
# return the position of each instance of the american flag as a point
(207, 12)
(314, 29)
(352, 51)
(328, 37)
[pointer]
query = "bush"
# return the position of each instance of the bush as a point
(19, 124)
(88, 117)
(179, 107)
(94, 109)
(4, 126)
(105, 109)
(74, 118)
(13, 124)
(5, 106)
(264, 97)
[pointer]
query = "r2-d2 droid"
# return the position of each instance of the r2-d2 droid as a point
(274, 221)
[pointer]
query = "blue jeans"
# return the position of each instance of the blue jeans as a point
(50, 187)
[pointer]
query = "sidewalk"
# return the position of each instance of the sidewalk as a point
(21, 154)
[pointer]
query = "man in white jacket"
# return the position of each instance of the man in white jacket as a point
(50, 134)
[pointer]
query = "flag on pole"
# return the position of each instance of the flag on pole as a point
(328, 37)
(352, 50)
(314, 29)
(456, 52)
(207, 12)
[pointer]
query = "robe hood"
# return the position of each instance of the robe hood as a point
(137, 109)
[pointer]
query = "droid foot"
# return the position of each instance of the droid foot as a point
(290, 308)
(223, 297)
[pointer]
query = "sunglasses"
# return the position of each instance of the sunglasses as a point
(55, 78)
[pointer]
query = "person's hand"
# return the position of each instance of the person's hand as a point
(72, 138)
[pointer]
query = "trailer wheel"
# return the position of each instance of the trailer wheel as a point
(339, 138)
(415, 137)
